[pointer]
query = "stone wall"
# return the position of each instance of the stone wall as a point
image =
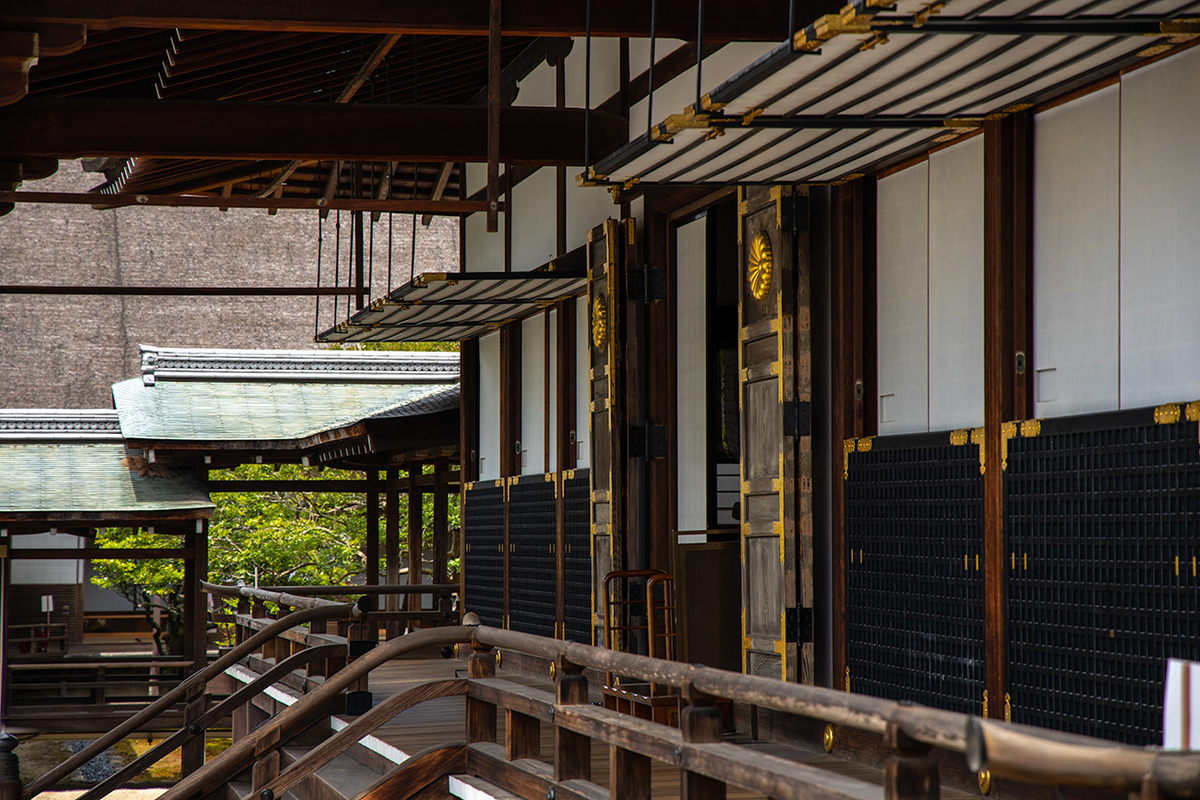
(66, 351)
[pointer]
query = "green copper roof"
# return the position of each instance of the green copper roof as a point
(90, 479)
(232, 411)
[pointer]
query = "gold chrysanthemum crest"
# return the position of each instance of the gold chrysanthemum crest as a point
(599, 322)
(760, 266)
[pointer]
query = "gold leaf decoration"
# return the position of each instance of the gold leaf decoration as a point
(760, 266)
(599, 322)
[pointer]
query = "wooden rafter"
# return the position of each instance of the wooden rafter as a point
(381, 50)
(421, 206)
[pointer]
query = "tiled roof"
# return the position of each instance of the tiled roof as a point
(89, 479)
(235, 411)
(61, 425)
(341, 366)
(446, 400)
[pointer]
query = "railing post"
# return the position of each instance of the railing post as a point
(910, 772)
(10, 768)
(522, 736)
(572, 751)
(266, 760)
(481, 716)
(192, 752)
(699, 723)
(629, 774)
(317, 666)
(259, 611)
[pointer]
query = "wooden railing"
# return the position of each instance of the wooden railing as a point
(707, 764)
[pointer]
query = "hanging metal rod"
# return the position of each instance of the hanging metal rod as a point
(435, 207)
(1044, 26)
(801, 121)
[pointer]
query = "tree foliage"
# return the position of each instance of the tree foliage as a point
(276, 538)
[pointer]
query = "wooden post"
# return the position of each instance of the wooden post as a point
(481, 716)
(372, 527)
(699, 723)
(493, 106)
(391, 545)
(629, 774)
(416, 528)
(572, 751)
(522, 736)
(441, 527)
(266, 760)
(910, 772)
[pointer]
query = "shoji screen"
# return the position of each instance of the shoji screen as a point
(902, 245)
(489, 407)
(956, 286)
(1160, 232)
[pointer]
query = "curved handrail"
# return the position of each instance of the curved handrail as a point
(217, 712)
(365, 725)
(181, 691)
(214, 772)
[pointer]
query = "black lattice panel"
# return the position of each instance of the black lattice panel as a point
(1097, 512)
(483, 520)
(914, 572)
(577, 558)
(532, 564)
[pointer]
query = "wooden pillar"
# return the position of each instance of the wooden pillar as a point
(372, 555)
(564, 444)
(416, 528)
(391, 545)
(196, 647)
(468, 387)
(510, 399)
(441, 519)
(572, 751)
(1007, 307)
(560, 172)
(493, 128)
(481, 715)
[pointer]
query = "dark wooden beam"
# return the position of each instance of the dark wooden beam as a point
(493, 117)
(75, 127)
(468, 387)
(182, 291)
(724, 20)
(124, 553)
(447, 208)
(372, 548)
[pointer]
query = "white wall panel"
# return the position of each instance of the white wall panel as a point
(533, 395)
(533, 225)
(1160, 232)
(956, 286)
(902, 247)
(583, 428)
(1076, 183)
(691, 435)
(489, 407)
(55, 571)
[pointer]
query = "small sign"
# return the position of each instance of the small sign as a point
(47, 603)
(1181, 706)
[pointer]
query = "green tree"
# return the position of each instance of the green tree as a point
(282, 538)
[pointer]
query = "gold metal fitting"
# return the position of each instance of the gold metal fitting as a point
(827, 739)
(985, 781)
(553, 670)
(497, 658)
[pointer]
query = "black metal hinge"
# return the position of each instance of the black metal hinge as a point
(797, 418)
(647, 441)
(646, 283)
(798, 625)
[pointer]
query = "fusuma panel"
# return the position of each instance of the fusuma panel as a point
(577, 559)
(1102, 519)
(483, 522)
(532, 563)
(914, 571)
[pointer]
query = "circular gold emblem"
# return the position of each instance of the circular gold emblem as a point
(828, 739)
(760, 266)
(599, 322)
